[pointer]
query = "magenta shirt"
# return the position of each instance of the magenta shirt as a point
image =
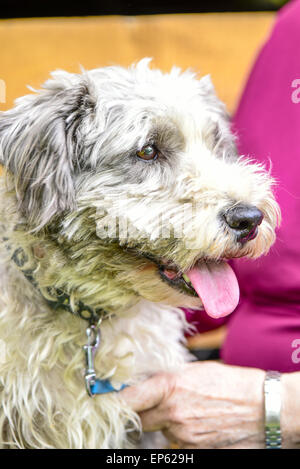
(264, 331)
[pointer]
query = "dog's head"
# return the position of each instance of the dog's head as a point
(136, 174)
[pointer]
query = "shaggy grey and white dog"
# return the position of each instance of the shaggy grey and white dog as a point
(88, 153)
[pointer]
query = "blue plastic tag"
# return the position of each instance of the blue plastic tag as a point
(104, 386)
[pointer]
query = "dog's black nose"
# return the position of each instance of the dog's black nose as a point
(244, 220)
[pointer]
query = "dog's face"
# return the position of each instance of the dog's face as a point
(135, 174)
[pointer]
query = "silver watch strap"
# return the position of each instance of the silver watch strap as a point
(272, 409)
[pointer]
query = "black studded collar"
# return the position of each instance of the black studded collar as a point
(56, 298)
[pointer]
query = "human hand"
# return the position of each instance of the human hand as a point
(205, 405)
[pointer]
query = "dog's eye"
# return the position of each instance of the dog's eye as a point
(148, 152)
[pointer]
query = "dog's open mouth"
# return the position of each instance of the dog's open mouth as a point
(214, 282)
(177, 280)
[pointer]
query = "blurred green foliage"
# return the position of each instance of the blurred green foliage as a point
(244, 5)
(266, 3)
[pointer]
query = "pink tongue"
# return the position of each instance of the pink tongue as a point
(217, 286)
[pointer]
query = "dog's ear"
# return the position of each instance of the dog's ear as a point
(207, 85)
(41, 145)
(222, 138)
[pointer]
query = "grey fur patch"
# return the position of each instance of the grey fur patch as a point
(41, 143)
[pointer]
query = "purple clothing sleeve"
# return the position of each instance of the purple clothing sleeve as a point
(264, 331)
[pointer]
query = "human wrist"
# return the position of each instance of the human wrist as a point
(258, 395)
(252, 380)
(290, 412)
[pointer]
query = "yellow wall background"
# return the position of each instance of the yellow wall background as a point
(222, 44)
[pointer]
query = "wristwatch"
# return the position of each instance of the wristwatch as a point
(272, 388)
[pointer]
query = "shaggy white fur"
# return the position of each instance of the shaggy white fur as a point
(76, 158)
